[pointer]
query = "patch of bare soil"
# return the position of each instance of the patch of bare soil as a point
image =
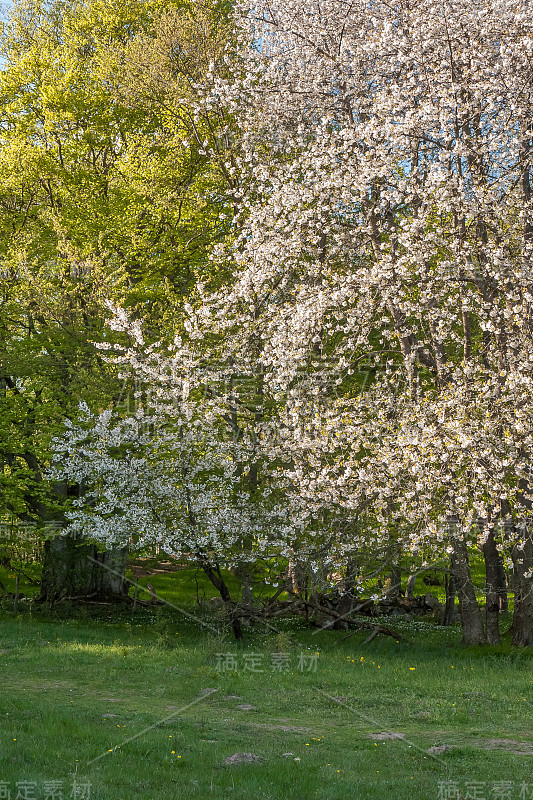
(509, 745)
(283, 728)
(242, 758)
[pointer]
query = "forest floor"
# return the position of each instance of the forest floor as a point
(150, 703)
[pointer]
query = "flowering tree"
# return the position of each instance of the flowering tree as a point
(172, 473)
(389, 224)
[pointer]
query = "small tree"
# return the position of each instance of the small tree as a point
(172, 473)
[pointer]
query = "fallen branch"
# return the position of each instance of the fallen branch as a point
(359, 624)
(241, 611)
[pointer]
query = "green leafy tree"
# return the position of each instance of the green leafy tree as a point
(113, 185)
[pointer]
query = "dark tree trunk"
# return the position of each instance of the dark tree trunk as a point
(214, 575)
(394, 583)
(244, 571)
(522, 628)
(344, 607)
(74, 568)
(501, 584)
(451, 593)
(492, 584)
(348, 595)
(473, 632)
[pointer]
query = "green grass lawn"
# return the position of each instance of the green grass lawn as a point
(139, 706)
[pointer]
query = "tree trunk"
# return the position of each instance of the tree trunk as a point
(244, 572)
(492, 583)
(74, 568)
(214, 575)
(298, 575)
(473, 632)
(501, 584)
(451, 593)
(522, 627)
(394, 583)
(347, 596)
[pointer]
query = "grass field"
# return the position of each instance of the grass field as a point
(143, 706)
